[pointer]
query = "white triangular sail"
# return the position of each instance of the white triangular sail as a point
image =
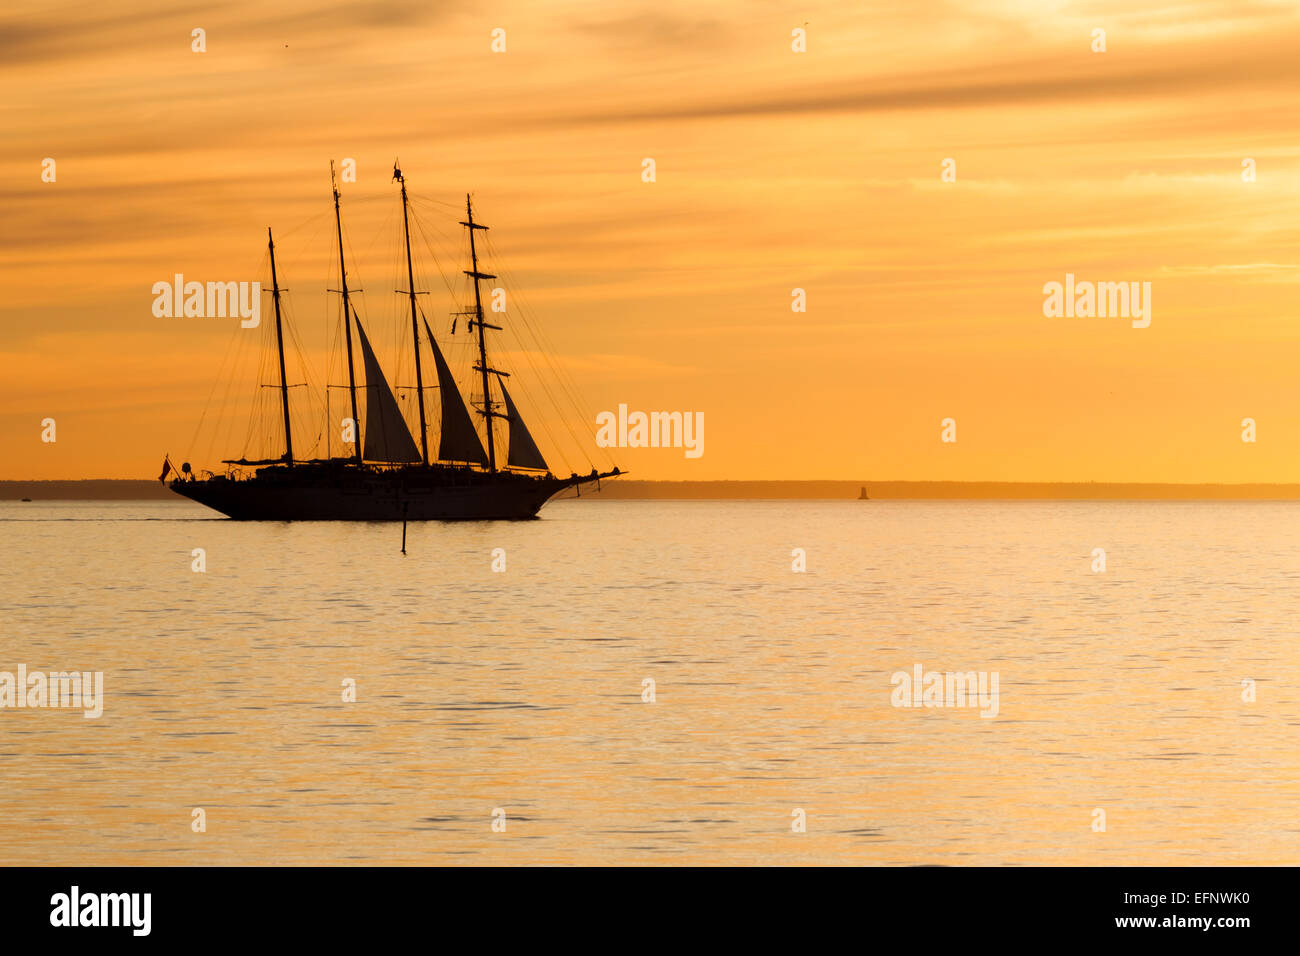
(458, 441)
(523, 450)
(386, 437)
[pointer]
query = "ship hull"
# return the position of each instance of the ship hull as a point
(343, 494)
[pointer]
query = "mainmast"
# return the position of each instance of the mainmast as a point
(279, 342)
(482, 366)
(347, 320)
(415, 330)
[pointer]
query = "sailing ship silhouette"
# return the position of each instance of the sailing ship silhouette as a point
(389, 477)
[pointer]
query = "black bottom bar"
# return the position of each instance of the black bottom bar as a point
(331, 907)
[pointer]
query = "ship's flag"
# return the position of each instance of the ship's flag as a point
(167, 466)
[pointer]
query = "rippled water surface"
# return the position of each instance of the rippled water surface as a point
(522, 690)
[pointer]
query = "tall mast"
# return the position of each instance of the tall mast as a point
(279, 342)
(415, 330)
(347, 319)
(482, 367)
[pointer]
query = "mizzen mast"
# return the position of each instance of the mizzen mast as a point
(347, 319)
(279, 343)
(482, 366)
(415, 329)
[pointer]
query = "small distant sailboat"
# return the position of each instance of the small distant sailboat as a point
(862, 495)
(390, 476)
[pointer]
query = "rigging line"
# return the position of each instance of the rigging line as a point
(258, 411)
(336, 362)
(361, 301)
(217, 380)
(448, 233)
(493, 258)
(238, 371)
(360, 200)
(543, 346)
(266, 375)
(303, 257)
(254, 404)
(544, 418)
(430, 198)
(544, 349)
(539, 378)
(418, 270)
(359, 293)
(316, 220)
(254, 428)
(309, 417)
(355, 259)
(534, 326)
(419, 226)
(222, 415)
(332, 326)
(233, 347)
(425, 318)
(397, 281)
(568, 389)
(557, 446)
(289, 312)
(454, 206)
(296, 342)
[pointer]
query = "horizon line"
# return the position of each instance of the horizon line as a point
(806, 481)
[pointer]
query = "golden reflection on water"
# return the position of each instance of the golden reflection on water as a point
(522, 690)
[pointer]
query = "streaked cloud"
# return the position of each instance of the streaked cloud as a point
(775, 171)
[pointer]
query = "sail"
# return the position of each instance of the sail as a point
(459, 441)
(386, 437)
(523, 450)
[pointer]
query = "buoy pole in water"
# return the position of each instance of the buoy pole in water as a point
(405, 505)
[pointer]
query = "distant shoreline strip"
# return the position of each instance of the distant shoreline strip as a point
(827, 490)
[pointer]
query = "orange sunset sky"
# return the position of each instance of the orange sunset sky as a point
(775, 170)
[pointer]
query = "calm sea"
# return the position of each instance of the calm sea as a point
(517, 696)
